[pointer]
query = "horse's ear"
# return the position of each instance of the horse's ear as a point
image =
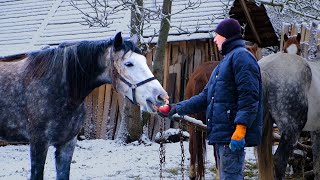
(118, 41)
(135, 39)
(298, 37)
(286, 37)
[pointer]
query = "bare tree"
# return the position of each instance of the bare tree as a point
(291, 11)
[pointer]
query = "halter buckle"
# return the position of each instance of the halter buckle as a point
(134, 86)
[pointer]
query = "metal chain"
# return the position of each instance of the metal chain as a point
(162, 149)
(182, 149)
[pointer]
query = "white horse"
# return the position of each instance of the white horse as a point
(291, 87)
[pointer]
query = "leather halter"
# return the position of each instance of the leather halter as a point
(132, 86)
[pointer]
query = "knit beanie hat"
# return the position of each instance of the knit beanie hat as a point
(228, 28)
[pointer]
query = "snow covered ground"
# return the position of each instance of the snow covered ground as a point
(106, 159)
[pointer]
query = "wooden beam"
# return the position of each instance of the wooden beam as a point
(247, 14)
(190, 121)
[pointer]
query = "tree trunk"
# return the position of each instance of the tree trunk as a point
(131, 115)
(162, 40)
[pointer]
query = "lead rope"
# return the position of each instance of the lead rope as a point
(182, 149)
(162, 149)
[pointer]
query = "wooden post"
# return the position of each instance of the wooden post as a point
(312, 51)
(285, 30)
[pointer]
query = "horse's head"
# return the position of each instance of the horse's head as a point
(132, 76)
(292, 44)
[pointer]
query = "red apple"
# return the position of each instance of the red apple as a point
(164, 109)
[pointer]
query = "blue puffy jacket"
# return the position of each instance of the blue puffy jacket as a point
(232, 96)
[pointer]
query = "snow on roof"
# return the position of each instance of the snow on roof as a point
(30, 24)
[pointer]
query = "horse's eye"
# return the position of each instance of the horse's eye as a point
(128, 64)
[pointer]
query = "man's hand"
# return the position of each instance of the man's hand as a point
(167, 110)
(237, 139)
(173, 110)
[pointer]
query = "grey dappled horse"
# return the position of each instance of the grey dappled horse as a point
(42, 95)
(291, 87)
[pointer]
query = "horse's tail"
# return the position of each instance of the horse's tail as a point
(264, 150)
(197, 151)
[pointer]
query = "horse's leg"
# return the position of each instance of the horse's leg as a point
(63, 157)
(315, 139)
(38, 154)
(192, 150)
(200, 153)
(287, 142)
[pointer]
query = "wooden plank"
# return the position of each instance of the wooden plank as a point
(285, 30)
(183, 48)
(294, 29)
(100, 105)
(106, 111)
(249, 20)
(191, 49)
(156, 128)
(307, 35)
(150, 125)
(95, 94)
(172, 87)
(190, 121)
(197, 58)
(303, 32)
(177, 70)
(304, 49)
(207, 52)
(119, 114)
(216, 53)
(211, 50)
(174, 54)
(112, 122)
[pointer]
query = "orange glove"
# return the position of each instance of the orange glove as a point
(237, 140)
(240, 132)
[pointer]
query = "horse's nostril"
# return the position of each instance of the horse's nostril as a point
(160, 97)
(163, 98)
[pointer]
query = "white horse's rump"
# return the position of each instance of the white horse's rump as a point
(313, 122)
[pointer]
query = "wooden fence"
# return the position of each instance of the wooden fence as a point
(307, 37)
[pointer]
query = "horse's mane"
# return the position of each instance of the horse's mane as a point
(83, 54)
(73, 64)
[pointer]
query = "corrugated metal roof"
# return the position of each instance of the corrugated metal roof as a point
(19, 22)
(29, 24)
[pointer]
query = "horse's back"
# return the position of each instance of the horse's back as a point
(286, 80)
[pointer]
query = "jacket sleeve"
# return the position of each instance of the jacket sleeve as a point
(247, 79)
(195, 104)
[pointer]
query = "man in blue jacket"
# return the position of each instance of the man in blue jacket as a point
(233, 102)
